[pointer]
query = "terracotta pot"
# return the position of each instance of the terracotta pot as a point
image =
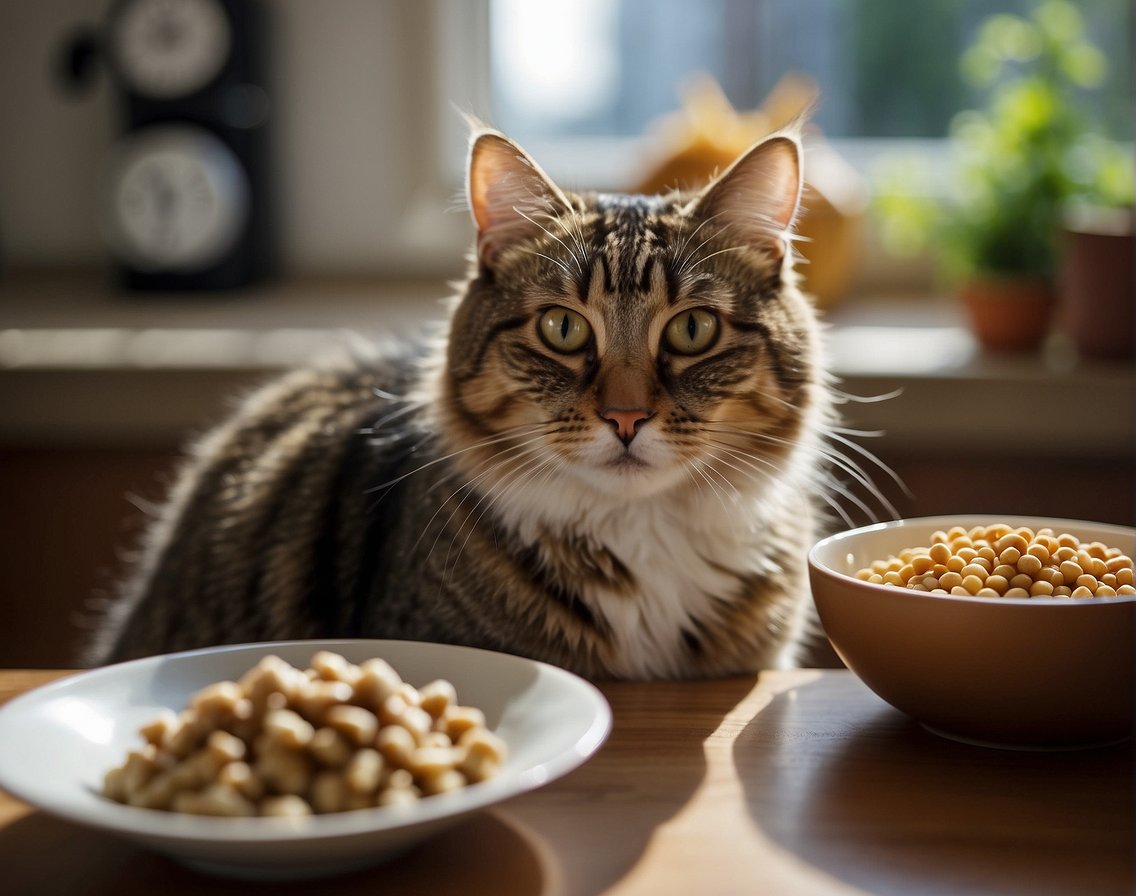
(1097, 288)
(1008, 314)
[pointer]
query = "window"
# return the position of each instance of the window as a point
(588, 70)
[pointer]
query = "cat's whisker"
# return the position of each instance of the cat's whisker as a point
(838, 436)
(845, 397)
(469, 486)
(509, 480)
(495, 439)
(567, 271)
(573, 227)
(686, 257)
(706, 258)
(700, 466)
(841, 461)
(556, 239)
(407, 408)
(831, 484)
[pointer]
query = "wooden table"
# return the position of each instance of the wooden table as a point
(788, 782)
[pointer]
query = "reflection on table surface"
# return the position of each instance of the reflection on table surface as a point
(787, 782)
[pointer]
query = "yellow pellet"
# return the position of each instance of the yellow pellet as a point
(999, 583)
(1010, 556)
(997, 560)
(921, 563)
(1021, 580)
(1012, 540)
(973, 584)
(1071, 571)
(950, 580)
(1117, 563)
(973, 569)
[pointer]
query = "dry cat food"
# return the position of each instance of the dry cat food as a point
(285, 741)
(1007, 561)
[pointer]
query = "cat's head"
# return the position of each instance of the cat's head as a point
(632, 344)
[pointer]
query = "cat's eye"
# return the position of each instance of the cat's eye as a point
(564, 330)
(691, 332)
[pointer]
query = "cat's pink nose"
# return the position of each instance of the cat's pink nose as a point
(626, 421)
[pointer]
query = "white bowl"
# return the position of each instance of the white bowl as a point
(1034, 673)
(57, 741)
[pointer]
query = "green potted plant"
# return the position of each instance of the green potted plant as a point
(1020, 160)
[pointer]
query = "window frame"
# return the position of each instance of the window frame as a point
(462, 77)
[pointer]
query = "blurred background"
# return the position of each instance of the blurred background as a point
(195, 194)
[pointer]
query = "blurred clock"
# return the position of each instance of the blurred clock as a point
(186, 198)
(178, 200)
(168, 48)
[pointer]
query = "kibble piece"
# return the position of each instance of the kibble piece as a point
(397, 796)
(356, 724)
(333, 667)
(443, 781)
(330, 747)
(290, 742)
(288, 729)
(396, 744)
(284, 771)
(457, 720)
(363, 773)
(240, 777)
(216, 799)
(319, 696)
(288, 806)
(328, 792)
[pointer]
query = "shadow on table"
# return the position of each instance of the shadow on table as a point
(875, 800)
(43, 856)
(601, 819)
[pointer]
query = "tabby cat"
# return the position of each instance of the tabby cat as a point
(613, 462)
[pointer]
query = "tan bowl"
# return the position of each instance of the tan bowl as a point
(1027, 673)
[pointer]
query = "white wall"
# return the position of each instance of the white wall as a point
(358, 139)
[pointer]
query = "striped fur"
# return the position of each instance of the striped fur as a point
(472, 491)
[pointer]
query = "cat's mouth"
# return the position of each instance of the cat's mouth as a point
(628, 461)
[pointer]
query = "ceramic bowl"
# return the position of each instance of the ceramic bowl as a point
(57, 741)
(1040, 673)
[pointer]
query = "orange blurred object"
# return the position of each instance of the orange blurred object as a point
(707, 133)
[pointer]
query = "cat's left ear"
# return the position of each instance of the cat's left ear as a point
(758, 196)
(508, 194)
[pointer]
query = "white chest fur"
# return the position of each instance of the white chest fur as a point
(684, 555)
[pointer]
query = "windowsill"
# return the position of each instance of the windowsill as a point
(83, 364)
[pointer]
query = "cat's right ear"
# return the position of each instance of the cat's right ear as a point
(508, 194)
